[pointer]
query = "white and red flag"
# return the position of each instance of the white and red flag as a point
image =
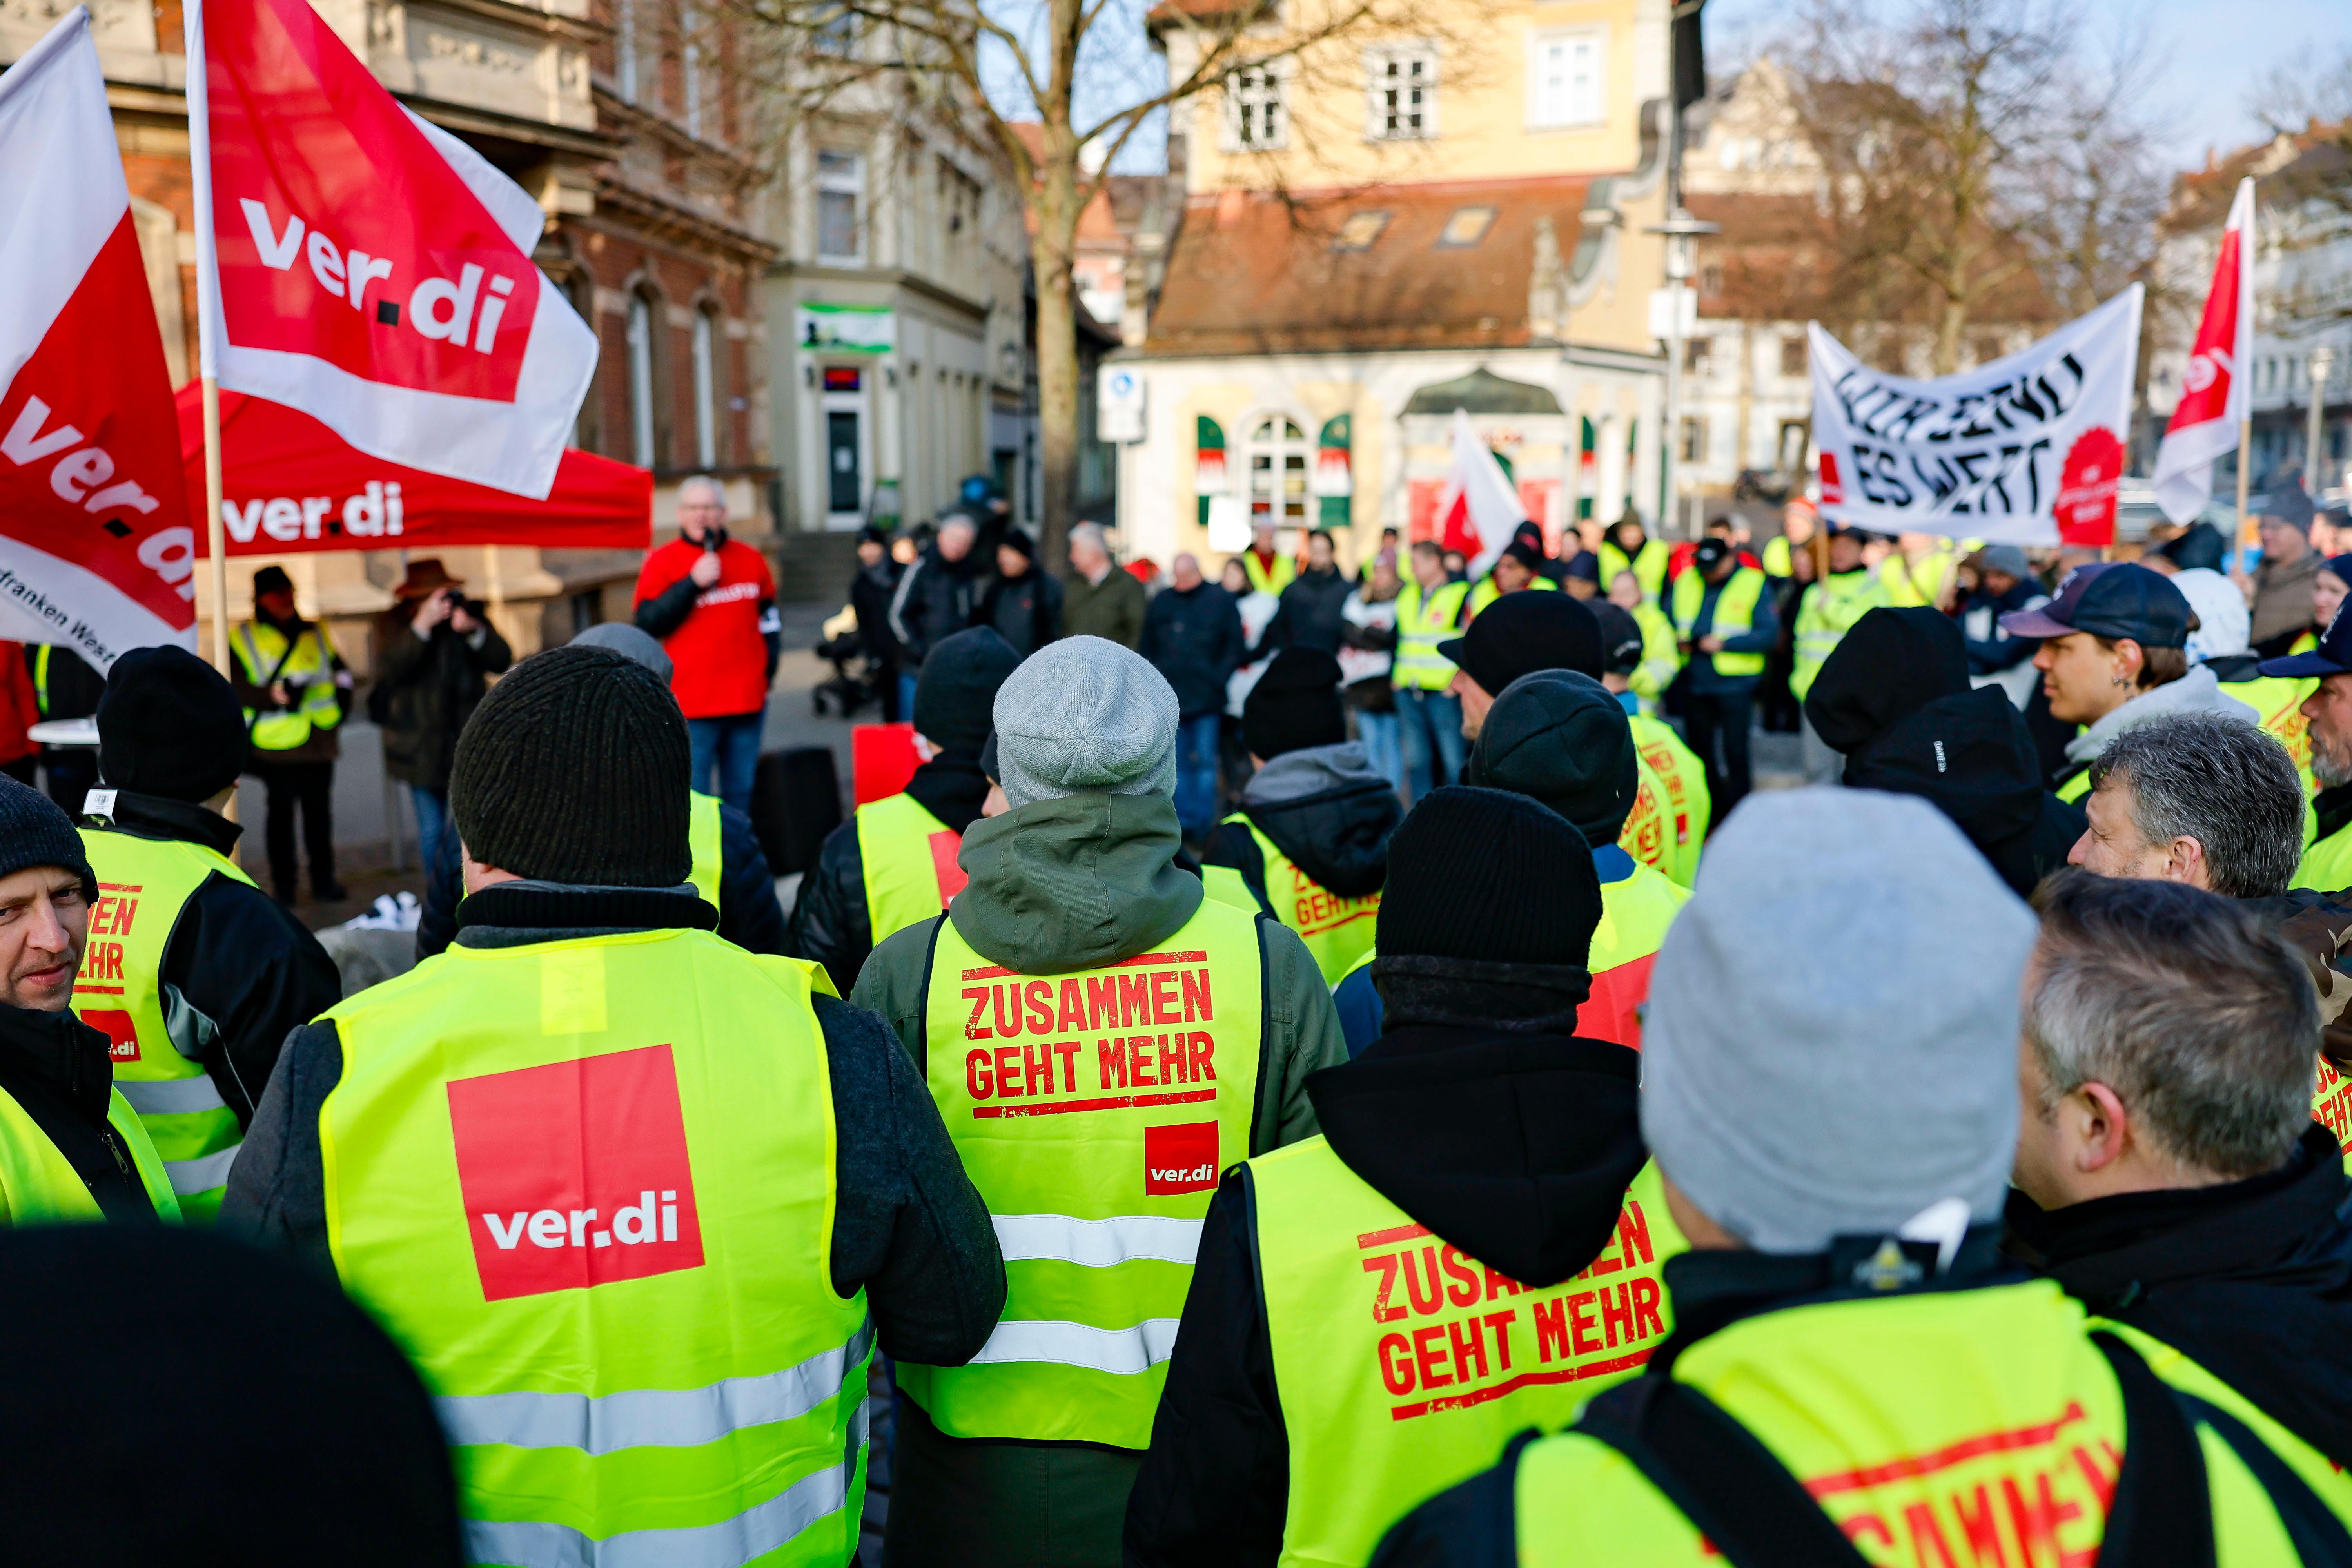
(96, 553)
(1480, 508)
(365, 267)
(2213, 388)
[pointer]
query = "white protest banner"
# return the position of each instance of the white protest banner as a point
(2025, 450)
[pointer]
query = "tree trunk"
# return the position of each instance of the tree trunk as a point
(1954, 321)
(1057, 386)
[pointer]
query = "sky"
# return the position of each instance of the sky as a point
(2209, 60)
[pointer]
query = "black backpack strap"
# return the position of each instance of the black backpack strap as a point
(1741, 1498)
(2163, 1511)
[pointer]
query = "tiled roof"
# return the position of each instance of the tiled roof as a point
(1378, 267)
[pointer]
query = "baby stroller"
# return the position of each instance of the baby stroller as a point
(841, 647)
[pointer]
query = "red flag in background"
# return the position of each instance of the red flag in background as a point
(2214, 390)
(365, 267)
(96, 553)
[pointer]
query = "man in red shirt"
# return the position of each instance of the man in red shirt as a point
(712, 602)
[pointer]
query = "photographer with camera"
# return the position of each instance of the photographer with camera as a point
(438, 650)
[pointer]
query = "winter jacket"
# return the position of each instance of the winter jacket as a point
(427, 688)
(1367, 651)
(1059, 885)
(749, 914)
(1894, 696)
(830, 923)
(870, 593)
(1992, 651)
(322, 745)
(55, 1067)
(2317, 928)
(2195, 693)
(934, 601)
(239, 971)
(1327, 808)
(1026, 611)
(2251, 1280)
(2282, 601)
(907, 1227)
(1312, 613)
(1481, 1115)
(1112, 608)
(1194, 637)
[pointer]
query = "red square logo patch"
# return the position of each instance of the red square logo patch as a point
(575, 1174)
(121, 1034)
(1182, 1158)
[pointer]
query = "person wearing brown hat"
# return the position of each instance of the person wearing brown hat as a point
(440, 650)
(295, 688)
(196, 975)
(640, 1204)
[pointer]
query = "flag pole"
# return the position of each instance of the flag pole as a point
(215, 537)
(2241, 389)
(2245, 472)
(208, 332)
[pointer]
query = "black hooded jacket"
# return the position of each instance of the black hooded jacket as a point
(1481, 1115)
(56, 1068)
(829, 920)
(1326, 809)
(2251, 1280)
(1895, 697)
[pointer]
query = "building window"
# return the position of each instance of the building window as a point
(835, 30)
(1465, 228)
(1693, 443)
(624, 49)
(1694, 355)
(1360, 230)
(641, 380)
(706, 391)
(840, 194)
(1710, 278)
(1402, 85)
(587, 609)
(1255, 116)
(1277, 459)
(1793, 355)
(1564, 78)
(690, 70)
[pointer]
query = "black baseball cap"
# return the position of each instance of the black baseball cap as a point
(1521, 633)
(2332, 656)
(1710, 553)
(2110, 599)
(1621, 638)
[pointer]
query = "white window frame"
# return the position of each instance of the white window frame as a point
(706, 390)
(1267, 89)
(1277, 449)
(641, 378)
(851, 182)
(1693, 446)
(1389, 68)
(1542, 115)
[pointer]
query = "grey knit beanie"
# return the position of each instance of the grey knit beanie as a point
(1085, 716)
(1832, 1041)
(630, 642)
(574, 769)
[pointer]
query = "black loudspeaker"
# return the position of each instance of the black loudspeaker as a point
(795, 802)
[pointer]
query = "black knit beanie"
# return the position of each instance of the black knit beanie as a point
(1294, 704)
(574, 769)
(955, 696)
(169, 724)
(36, 831)
(1560, 738)
(1621, 638)
(1489, 876)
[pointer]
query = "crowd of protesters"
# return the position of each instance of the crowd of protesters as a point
(1326, 1062)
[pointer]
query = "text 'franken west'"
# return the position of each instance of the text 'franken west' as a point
(1143, 1027)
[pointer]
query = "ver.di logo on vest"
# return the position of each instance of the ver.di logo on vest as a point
(575, 1174)
(1179, 1159)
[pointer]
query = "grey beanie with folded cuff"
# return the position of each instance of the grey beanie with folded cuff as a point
(1085, 716)
(1831, 1046)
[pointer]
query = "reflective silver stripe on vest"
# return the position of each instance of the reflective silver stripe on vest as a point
(171, 1096)
(730, 1543)
(202, 1173)
(652, 1417)
(1125, 1351)
(1096, 1243)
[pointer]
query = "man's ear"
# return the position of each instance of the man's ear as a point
(2185, 862)
(2102, 1126)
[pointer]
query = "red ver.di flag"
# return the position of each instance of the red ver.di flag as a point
(96, 553)
(2212, 390)
(365, 267)
(2024, 450)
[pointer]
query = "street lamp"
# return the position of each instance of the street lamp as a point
(2323, 360)
(1681, 231)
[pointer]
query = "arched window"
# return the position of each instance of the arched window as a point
(1278, 470)
(641, 380)
(706, 390)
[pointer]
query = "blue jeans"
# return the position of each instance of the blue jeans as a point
(1382, 738)
(906, 696)
(1432, 723)
(433, 827)
(733, 743)
(1196, 774)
